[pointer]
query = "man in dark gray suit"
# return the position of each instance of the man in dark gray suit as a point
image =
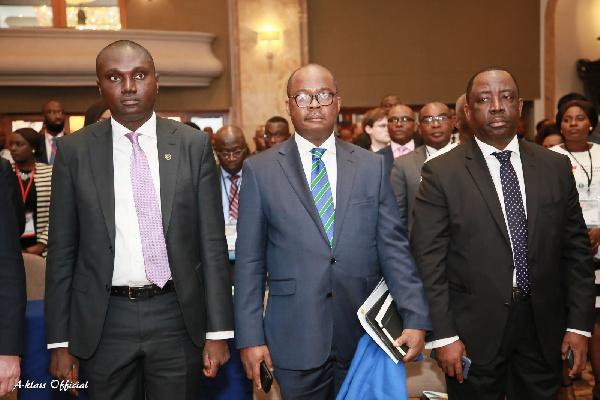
(503, 250)
(137, 283)
(321, 264)
(435, 127)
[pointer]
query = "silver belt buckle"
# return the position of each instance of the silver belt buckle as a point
(130, 296)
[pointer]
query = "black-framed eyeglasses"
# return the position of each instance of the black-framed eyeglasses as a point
(236, 153)
(395, 120)
(305, 99)
(440, 118)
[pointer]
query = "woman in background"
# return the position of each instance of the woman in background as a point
(97, 112)
(577, 119)
(34, 184)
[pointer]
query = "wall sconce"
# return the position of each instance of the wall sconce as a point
(269, 36)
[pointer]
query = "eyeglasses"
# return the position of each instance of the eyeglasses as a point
(236, 153)
(305, 100)
(440, 118)
(404, 120)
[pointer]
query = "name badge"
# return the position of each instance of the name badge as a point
(590, 212)
(29, 226)
(231, 234)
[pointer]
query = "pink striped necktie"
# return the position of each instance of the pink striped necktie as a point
(234, 194)
(147, 208)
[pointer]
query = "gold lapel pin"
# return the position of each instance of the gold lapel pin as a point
(168, 157)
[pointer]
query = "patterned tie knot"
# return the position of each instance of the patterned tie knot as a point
(503, 156)
(234, 179)
(317, 153)
(133, 137)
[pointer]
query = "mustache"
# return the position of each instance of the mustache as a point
(502, 118)
(314, 114)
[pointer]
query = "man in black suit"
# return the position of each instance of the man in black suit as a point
(501, 244)
(14, 191)
(12, 295)
(137, 283)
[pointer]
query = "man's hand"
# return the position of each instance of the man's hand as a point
(415, 340)
(215, 354)
(449, 359)
(251, 359)
(9, 373)
(64, 366)
(594, 238)
(37, 249)
(579, 345)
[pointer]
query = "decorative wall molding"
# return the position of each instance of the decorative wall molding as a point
(67, 57)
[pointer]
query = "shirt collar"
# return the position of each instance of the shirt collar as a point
(148, 129)
(226, 174)
(304, 146)
(49, 136)
(487, 149)
(408, 145)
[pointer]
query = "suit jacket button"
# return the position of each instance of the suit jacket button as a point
(332, 261)
(108, 288)
(506, 305)
(329, 295)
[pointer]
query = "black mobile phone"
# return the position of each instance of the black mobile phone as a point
(569, 358)
(466, 363)
(266, 377)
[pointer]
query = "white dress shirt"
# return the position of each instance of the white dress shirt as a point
(493, 165)
(48, 139)
(329, 159)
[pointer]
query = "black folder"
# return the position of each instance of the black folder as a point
(389, 325)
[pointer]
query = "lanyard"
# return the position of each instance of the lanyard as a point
(24, 192)
(589, 176)
(50, 144)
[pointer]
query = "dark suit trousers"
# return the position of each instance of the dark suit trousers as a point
(322, 383)
(519, 371)
(145, 352)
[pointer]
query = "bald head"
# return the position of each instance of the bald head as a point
(311, 67)
(231, 148)
(460, 120)
(120, 45)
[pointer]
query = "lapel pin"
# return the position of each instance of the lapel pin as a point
(168, 157)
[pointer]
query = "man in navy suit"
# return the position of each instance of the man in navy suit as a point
(12, 295)
(319, 273)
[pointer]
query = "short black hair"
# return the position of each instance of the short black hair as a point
(289, 83)
(277, 119)
(569, 97)
(587, 107)
(122, 44)
(488, 69)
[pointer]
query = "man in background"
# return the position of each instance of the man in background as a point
(53, 114)
(277, 130)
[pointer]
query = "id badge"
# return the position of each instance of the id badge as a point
(590, 212)
(29, 226)
(231, 234)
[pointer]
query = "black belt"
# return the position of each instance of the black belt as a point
(519, 295)
(141, 292)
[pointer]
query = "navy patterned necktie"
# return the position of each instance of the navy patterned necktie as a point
(321, 192)
(515, 215)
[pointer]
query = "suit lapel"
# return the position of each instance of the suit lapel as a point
(168, 142)
(420, 157)
(346, 171)
(100, 151)
(480, 173)
(532, 176)
(292, 168)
